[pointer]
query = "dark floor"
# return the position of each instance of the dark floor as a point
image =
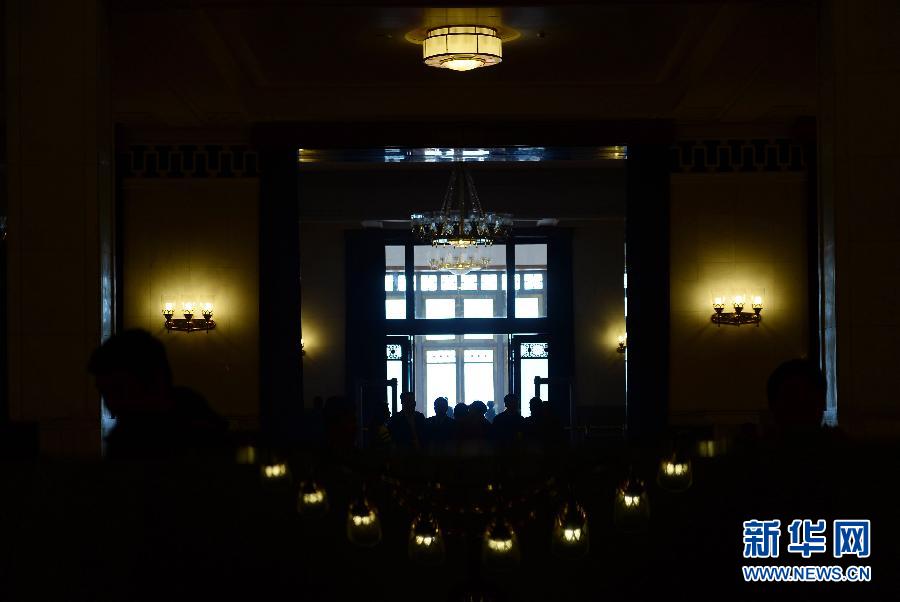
(212, 530)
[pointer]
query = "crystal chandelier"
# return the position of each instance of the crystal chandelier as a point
(461, 231)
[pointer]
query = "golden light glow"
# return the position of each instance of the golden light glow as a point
(706, 448)
(462, 47)
(207, 308)
(313, 498)
(675, 469)
(739, 300)
(572, 535)
(362, 520)
(500, 545)
(631, 501)
(424, 540)
(169, 308)
(275, 471)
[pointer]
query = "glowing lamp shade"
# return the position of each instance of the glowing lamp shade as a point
(462, 47)
(675, 474)
(426, 542)
(363, 525)
(570, 532)
(274, 471)
(631, 510)
(500, 548)
(312, 501)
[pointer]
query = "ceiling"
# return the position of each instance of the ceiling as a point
(230, 63)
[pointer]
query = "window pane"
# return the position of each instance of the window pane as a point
(401, 283)
(475, 337)
(478, 372)
(436, 283)
(527, 307)
(531, 279)
(534, 362)
(478, 308)
(429, 282)
(440, 378)
(395, 309)
(440, 309)
(394, 272)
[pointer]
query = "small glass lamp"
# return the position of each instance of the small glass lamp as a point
(631, 511)
(363, 525)
(187, 309)
(206, 310)
(570, 531)
(274, 471)
(167, 306)
(500, 548)
(757, 300)
(622, 346)
(426, 542)
(675, 473)
(718, 300)
(739, 300)
(312, 500)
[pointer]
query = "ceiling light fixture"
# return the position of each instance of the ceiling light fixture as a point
(462, 47)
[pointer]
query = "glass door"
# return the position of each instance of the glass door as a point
(530, 356)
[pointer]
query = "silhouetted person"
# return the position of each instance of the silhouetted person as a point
(154, 420)
(508, 425)
(460, 411)
(379, 434)
(491, 412)
(532, 424)
(474, 426)
(407, 427)
(440, 427)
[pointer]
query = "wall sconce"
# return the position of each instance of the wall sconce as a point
(188, 310)
(738, 302)
(302, 347)
(622, 343)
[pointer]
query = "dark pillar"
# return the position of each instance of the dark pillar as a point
(647, 261)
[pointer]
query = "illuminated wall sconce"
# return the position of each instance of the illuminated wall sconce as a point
(738, 302)
(622, 343)
(188, 310)
(302, 347)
